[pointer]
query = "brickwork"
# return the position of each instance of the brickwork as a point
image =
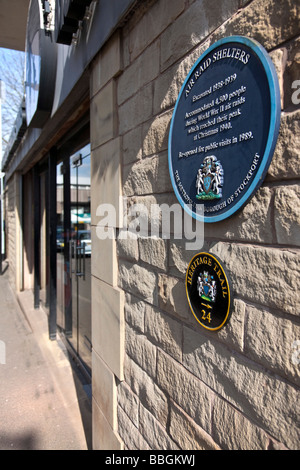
(190, 389)
(178, 386)
(159, 380)
(107, 298)
(10, 229)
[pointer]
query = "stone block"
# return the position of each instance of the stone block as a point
(106, 183)
(140, 215)
(202, 18)
(262, 275)
(104, 390)
(233, 332)
(263, 398)
(233, 431)
(155, 434)
(172, 297)
(104, 258)
(269, 341)
(147, 391)
(108, 330)
(146, 211)
(153, 251)
(104, 438)
(129, 402)
(104, 117)
(285, 163)
(135, 310)
(153, 22)
(108, 63)
(156, 134)
(127, 245)
(164, 331)
(130, 435)
(278, 57)
(132, 146)
(141, 351)
(253, 223)
(136, 110)
(187, 434)
(192, 395)
(287, 215)
(150, 175)
(138, 281)
(142, 71)
(179, 257)
(168, 85)
(272, 22)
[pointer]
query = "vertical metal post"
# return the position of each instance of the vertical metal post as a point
(52, 243)
(67, 250)
(47, 238)
(36, 237)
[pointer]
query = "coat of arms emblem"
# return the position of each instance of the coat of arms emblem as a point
(208, 291)
(210, 179)
(206, 286)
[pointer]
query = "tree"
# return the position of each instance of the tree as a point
(12, 65)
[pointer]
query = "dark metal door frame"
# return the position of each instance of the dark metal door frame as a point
(80, 133)
(50, 167)
(37, 233)
(52, 243)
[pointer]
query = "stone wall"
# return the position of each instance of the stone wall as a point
(12, 230)
(166, 383)
(9, 228)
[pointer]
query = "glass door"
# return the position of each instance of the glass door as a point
(74, 250)
(80, 252)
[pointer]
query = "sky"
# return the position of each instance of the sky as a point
(12, 65)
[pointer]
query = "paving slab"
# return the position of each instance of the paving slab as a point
(43, 399)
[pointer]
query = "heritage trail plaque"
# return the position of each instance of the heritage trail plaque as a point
(208, 291)
(224, 128)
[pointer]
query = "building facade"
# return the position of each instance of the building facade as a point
(92, 159)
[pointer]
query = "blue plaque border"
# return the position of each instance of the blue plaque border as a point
(275, 113)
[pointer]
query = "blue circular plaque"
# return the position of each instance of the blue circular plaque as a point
(224, 129)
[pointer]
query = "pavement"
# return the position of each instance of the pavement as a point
(44, 399)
